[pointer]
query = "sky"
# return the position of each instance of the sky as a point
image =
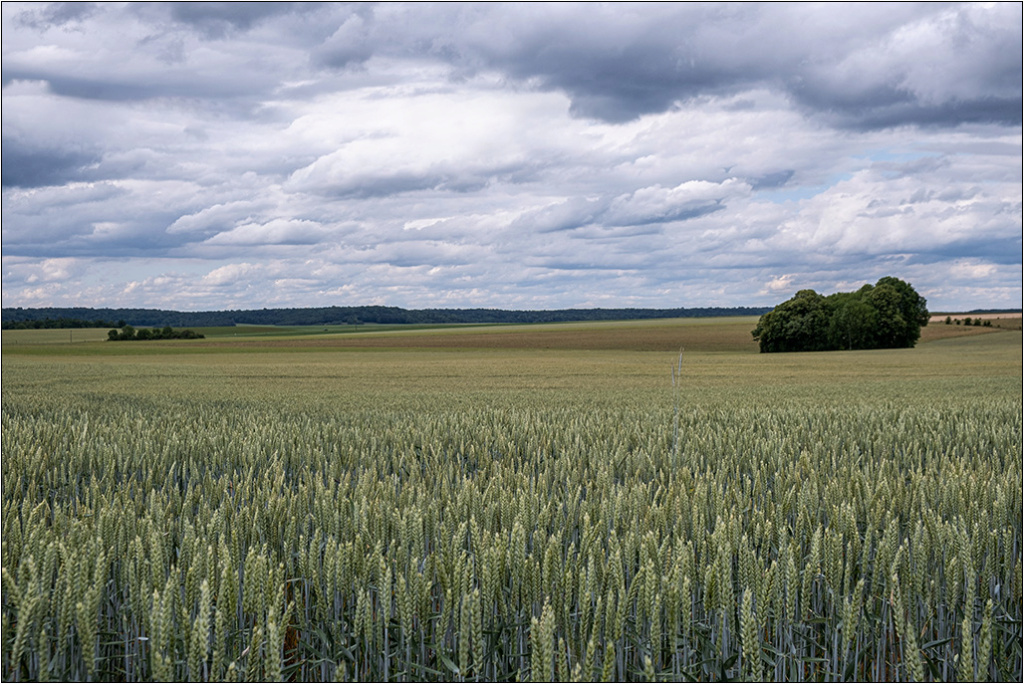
(519, 156)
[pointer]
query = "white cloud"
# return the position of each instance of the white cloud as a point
(387, 140)
(274, 232)
(971, 269)
(780, 284)
(50, 270)
(687, 200)
(230, 274)
(214, 218)
(420, 224)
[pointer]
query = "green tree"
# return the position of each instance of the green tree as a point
(890, 326)
(886, 315)
(912, 308)
(799, 324)
(852, 323)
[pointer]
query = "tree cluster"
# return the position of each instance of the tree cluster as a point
(165, 333)
(967, 321)
(887, 315)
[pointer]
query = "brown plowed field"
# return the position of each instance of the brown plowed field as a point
(726, 335)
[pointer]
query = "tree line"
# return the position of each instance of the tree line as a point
(888, 314)
(356, 315)
(52, 323)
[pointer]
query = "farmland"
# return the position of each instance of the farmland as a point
(563, 501)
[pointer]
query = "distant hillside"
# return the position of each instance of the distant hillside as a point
(334, 315)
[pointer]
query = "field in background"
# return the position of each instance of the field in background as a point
(513, 502)
(593, 362)
(694, 334)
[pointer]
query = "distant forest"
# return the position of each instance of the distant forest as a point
(348, 315)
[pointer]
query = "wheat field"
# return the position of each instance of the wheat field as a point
(594, 508)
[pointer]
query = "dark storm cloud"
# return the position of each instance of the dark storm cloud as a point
(568, 215)
(646, 78)
(863, 66)
(89, 88)
(25, 166)
(615, 86)
(350, 43)
(995, 250)
(215, 19)
(682, 213)
(88, 233)
(887, 108)
(167, 82)
(56, 14)
(773, 180)
(171, 86)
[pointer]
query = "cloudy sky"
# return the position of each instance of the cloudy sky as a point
(234, 155)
